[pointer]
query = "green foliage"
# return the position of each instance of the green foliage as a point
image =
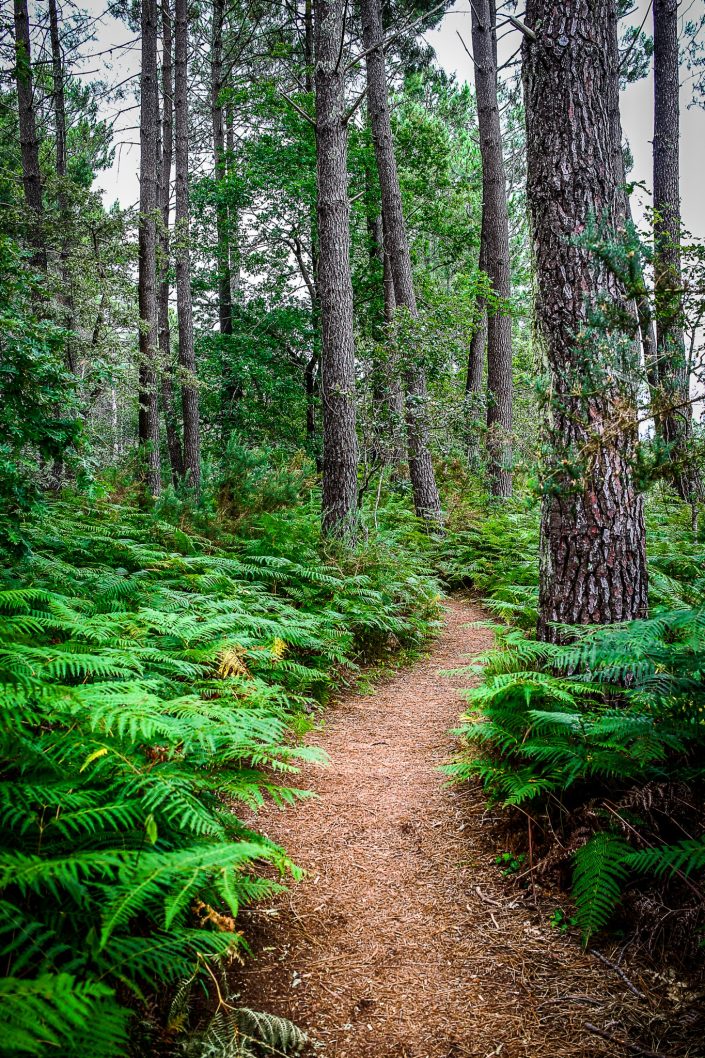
(556, 728)
(510, 862)
(149, 683)
(38, 413)
(597, 880)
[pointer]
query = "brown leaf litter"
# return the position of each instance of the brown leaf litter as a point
(404, 940)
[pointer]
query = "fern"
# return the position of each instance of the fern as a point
(598, 874)
(687, 856)
(127, 747)
(555, 728)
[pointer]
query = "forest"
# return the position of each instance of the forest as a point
(352, 535)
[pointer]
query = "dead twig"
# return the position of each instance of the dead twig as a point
(635, 1048)
(619, 972)
(486, 899)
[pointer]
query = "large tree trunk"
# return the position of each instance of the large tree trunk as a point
(225, 312)
(495, 235)
(334, 281)
(592, 561)
(187, 356)
(426, 499)
(29, 144)
(173, 441)
(675, 413)
(147, 270)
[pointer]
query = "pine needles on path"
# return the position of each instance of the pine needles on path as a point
(404, 941)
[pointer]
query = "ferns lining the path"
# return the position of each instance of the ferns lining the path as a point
(150, 686)
(599, 735)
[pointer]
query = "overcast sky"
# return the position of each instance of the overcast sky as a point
(637, 110)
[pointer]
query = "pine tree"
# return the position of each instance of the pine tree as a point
(674, 415)
(187, 356)
(426, 499)
(495, 249)
(334, 281)
(593, 564)
(147, 279)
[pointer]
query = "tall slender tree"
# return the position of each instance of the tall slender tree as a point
(173, 441)
(592, 559)
(334, 280)
(147, 265)
(59, 107)
(475, 371)
(225, 309)
(187, 356)
(675, 414)
(426, 499)
(29, 142)
(495, 248)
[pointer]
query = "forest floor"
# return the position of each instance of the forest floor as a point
(404, 940)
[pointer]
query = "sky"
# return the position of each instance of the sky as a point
(636, 106)
(121, 181)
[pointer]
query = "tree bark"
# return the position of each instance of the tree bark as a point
(147, 264)
(225, 312)
(173, 441)
(187, 355)
(675, 413)
(592, 559)
(426, 499)
(340, 455)
(495, 236)
(29, 143)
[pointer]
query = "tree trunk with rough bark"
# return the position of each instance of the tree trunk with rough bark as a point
(184, 307)
(592, 558)
(675, 413)
(147, 263)
(29, 143)
(340, 454)
(495, 237)
(225, 311)
(426, 499)
(173, 441)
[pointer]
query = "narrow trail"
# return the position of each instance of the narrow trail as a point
(404, 941)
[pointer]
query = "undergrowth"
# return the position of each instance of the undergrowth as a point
(152, 684)
(601, 744)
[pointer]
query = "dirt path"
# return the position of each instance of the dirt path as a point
(404, 941)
